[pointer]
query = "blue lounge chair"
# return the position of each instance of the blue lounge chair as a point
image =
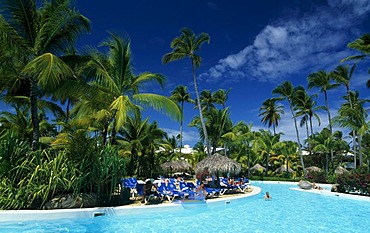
(130, 183)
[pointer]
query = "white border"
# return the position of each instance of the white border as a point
(29, 215)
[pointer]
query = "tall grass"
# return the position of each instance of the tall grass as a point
(29, 179)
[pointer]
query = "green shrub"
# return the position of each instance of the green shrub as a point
(316, 176)
(357, 181)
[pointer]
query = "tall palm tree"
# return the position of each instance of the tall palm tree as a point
(181, 95)
(354, 119)
(306, 107)
(342, 76)
(115, 89)
(220, 97)
(31, 38)
(186, 45)
(271, 113)
(288, 92)
(322, 80)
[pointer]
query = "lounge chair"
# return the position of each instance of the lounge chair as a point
(130, 183)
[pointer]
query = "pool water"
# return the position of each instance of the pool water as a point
(288, 211)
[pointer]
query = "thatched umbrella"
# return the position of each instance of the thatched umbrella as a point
(313, 169)
(178, 165)
(340, 170)
(218, 164)
(282, 169)
(257, 167)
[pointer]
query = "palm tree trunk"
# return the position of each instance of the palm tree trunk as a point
(309, 143)
(360, 149)
(327, 109)
(200, 110)
(181, 120)
(267, 162)
(326, 163)
(353, 131)
(298, 140)
(354, 149)
(34, 116)
(114, 134)
(105, 134)
(67, 110)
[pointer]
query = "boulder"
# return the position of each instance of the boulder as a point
(304, 184)
(334, 187)
(67, 201)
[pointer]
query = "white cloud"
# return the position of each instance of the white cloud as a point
(308, 41)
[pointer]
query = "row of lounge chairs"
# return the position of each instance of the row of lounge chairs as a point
(171, 189)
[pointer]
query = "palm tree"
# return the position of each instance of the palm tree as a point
(271, 113)
(31, 38)
(181, 95)
(288, 153)
(220, 97)
(244, 140)
(115, 89)
(206, 100)
(322, 80)
(138, 136)
(288, 92)
(306, 107)
(354, 119)
(323, 144)
(265, 142)
(342, 76)
(361, 44)
(186, 45)
(217, 123)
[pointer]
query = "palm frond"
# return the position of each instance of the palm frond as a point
(121, 106)
(173, 56)
(159, 103)
(61, 28)
(22, 16)
(48, 70)
(147, 76)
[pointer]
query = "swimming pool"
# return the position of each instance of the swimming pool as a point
(288, 211)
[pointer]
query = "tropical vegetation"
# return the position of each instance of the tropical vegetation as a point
(74, 123)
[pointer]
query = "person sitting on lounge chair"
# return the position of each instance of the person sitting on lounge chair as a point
(201, 192)
(150, 190)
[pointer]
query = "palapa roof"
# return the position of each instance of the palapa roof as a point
(340, 170)
(282, 169)
(313, 169)
(257, 167)
(177, 165)
(216, 164)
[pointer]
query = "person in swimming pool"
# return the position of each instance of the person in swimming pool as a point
(267, 196)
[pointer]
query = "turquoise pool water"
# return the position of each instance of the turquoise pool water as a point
(288, 211)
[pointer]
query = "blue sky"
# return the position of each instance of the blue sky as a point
(255, 46)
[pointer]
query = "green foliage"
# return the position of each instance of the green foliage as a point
(30, 179)
(318, 177)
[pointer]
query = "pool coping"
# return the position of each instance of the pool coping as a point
(29, 215)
